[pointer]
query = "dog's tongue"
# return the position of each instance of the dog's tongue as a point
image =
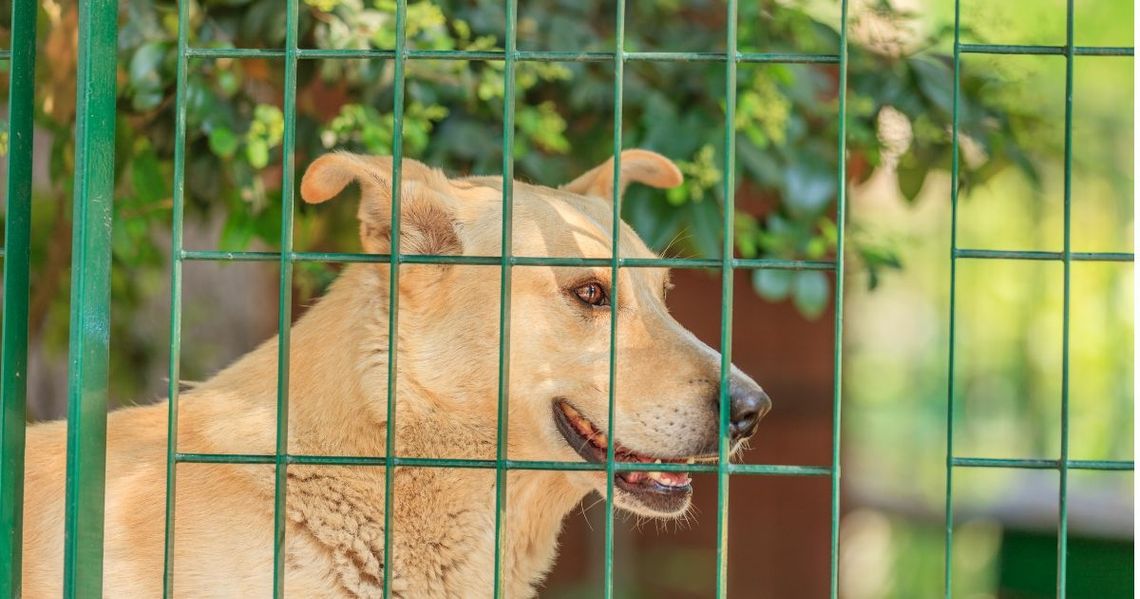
(669, 479)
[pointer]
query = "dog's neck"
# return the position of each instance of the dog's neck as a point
(338, 381)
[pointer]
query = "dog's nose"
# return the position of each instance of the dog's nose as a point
(748, 404)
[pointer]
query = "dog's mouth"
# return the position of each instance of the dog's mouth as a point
(665, 492)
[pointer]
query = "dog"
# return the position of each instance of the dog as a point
(446, 406)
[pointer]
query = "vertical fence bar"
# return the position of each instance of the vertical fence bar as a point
(285, 299)
(510, 54)
(726, 274)
(17, 240)
(948, 567)
(1063, 511)
(174, 372)
(615, 240)
(90, 299)
(394, 286)
(840, 224)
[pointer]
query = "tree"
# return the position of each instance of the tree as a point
(786, 124)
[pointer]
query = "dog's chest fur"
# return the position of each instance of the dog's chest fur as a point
(337, 512)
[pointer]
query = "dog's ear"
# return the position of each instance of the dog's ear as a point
(427, 224)
(640, 166)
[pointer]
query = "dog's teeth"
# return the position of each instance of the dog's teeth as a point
(657, 461)
(669, 479)
(691, 461)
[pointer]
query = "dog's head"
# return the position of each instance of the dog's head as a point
(667, 382)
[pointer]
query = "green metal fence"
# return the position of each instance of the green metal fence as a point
(287, 258)
(1066, 256)
(21, 57)
(91, 298)
(89, 341)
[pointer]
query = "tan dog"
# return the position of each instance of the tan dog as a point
(443, 537)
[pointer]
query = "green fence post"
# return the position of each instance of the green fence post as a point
(90, 298)
(178, 195)
(17, 231)
(393, 260)
(615, 257)
(840, 245)
(726, 280)
(948, 567)
(285, 300)
(1067, 259)
(505, 264)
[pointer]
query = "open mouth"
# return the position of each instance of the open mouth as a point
(660, 490)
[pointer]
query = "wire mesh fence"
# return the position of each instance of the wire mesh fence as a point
(1063, 464)
(510, 56)
(89, 343)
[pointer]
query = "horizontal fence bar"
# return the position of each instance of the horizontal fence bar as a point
(334, 257)
(522, 55)
(1036, 255)
(5, 55)
(323, 460)
(1043, 464)
(1045, 50)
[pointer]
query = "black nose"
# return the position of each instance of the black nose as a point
(748, 404)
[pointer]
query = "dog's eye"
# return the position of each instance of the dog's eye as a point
(592, 294)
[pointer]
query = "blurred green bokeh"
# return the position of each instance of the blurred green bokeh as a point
(1008, 339)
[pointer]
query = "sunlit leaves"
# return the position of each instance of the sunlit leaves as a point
(543, 126)
(265, 133)
(365, 129)
(785, 120)
(702, 175)
(762, 109)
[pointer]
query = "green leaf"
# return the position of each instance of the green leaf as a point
(936, 81)
(223, 142)
(810, 293)
(809, 186)
(229, 82)
(705, 227)
(147, 178)
(145, 73)
(238, 231)
(257, 152)
(144, 101)
(772, 285)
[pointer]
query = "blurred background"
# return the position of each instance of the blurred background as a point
(896, 344)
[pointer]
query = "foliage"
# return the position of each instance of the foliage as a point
(785, 125)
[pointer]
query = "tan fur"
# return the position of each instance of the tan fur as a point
(447, 383)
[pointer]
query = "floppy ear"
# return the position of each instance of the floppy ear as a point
(640, 166)
(427, 223)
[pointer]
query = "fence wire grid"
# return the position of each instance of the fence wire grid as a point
(89, 343)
